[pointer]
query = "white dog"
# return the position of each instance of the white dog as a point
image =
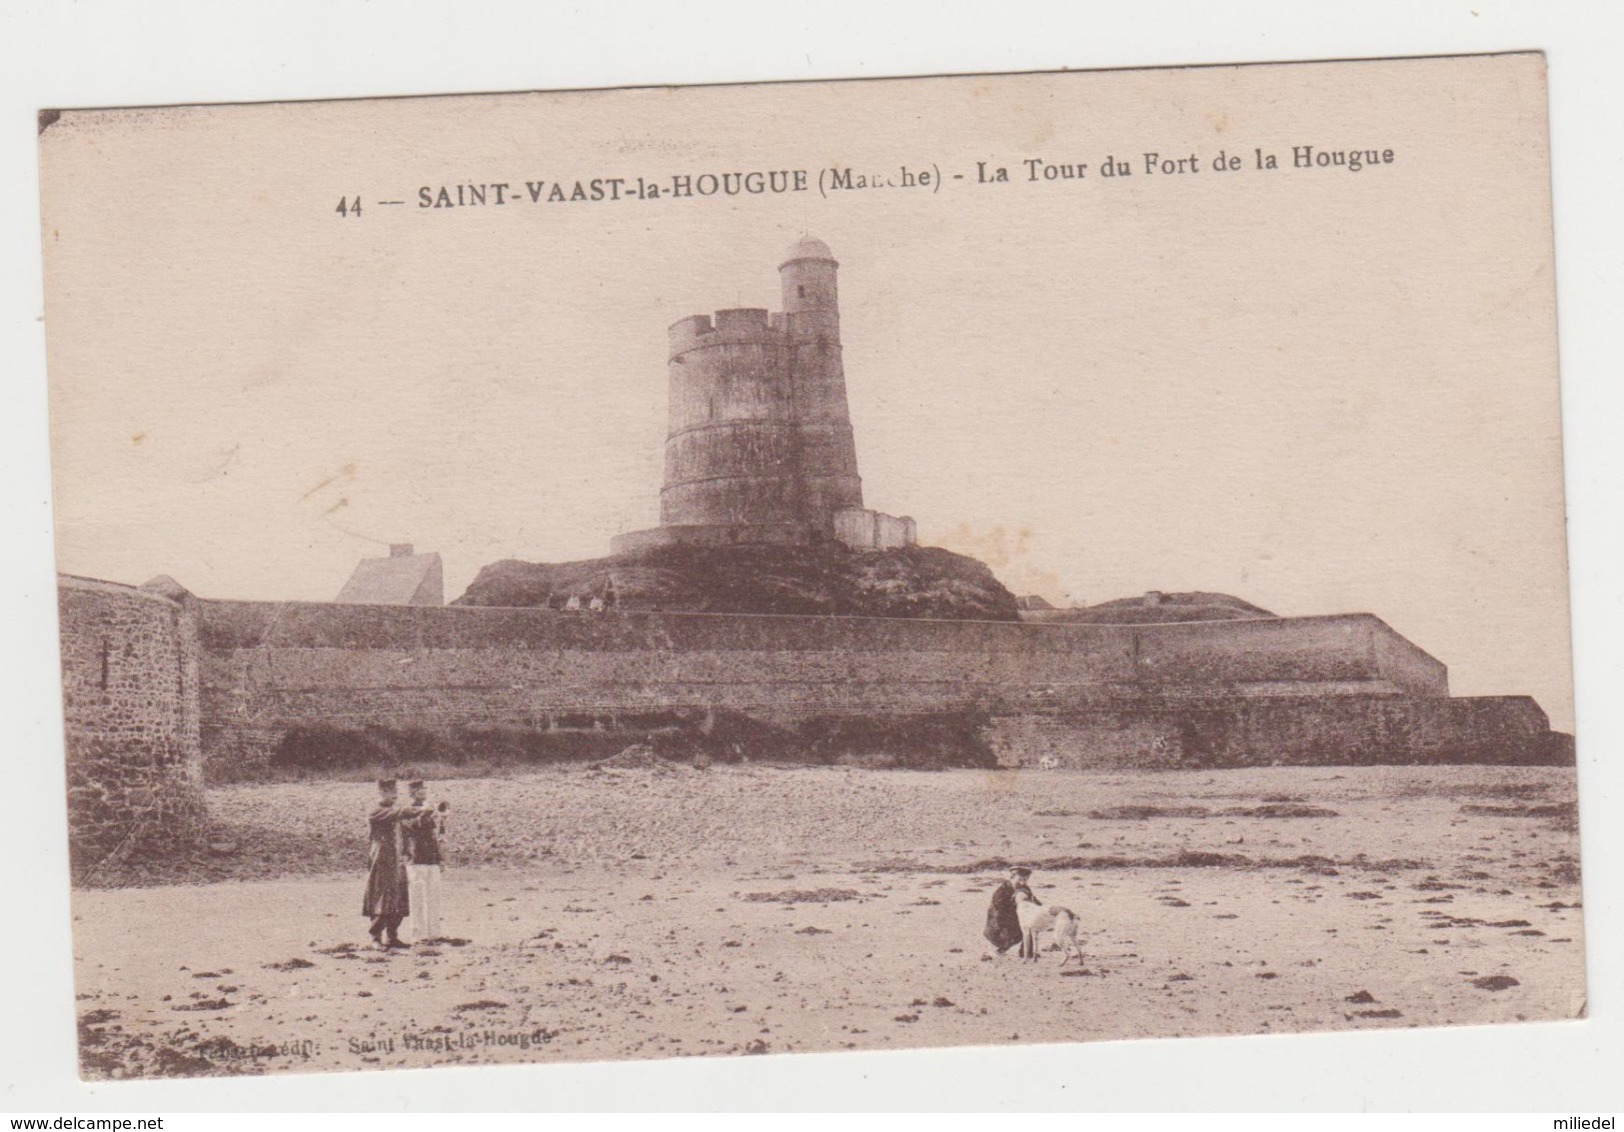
(1038, 918)
(1048, 762)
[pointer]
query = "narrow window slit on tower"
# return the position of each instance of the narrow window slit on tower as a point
(106, 657)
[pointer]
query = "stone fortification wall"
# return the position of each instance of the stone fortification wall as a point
(130, 682)
(863, 529)
(160, 684)
(269, 667)
(733, 451)
(1279, 656)
(1287, 730)
(759, 431)
(715, 534)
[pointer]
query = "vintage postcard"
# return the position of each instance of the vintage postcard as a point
(810, 567)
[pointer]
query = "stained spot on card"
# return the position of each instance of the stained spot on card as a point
(346, 472)
(227, 458)
(1010, 552)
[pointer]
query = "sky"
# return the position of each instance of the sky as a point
(1320, 390)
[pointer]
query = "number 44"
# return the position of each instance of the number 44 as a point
(348, 207)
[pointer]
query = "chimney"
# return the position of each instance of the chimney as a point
(400, 550)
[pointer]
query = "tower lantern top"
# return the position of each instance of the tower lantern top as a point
(807, 247)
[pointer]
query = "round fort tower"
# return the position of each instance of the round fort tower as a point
(760, 437)
(811, 299)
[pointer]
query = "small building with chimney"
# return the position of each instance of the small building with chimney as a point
(403, 578)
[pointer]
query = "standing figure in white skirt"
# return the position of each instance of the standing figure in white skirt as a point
(423, 825)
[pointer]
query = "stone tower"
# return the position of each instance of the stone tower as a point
(759, 443)
(811, 326)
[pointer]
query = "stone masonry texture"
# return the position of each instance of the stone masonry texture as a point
(131, 680)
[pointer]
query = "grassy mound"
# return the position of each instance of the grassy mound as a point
(1159, 608)
(828, 579)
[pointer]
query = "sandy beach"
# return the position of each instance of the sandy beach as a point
(659, 911)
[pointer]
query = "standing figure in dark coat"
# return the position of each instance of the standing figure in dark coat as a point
(1003, 924)
(386, 900)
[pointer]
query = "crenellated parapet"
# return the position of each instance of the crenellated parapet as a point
(736, 326)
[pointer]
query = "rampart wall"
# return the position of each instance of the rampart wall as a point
(159, 688)
(1285, 730)
(865, 529)
(132, 710)
(271, 667)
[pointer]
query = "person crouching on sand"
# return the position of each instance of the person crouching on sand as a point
(386, 900)
(423, 826)
(1003, 929)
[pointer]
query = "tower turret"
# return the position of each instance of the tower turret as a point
(808, 278)
(828, 453)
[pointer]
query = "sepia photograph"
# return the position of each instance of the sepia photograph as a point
(811, 567)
